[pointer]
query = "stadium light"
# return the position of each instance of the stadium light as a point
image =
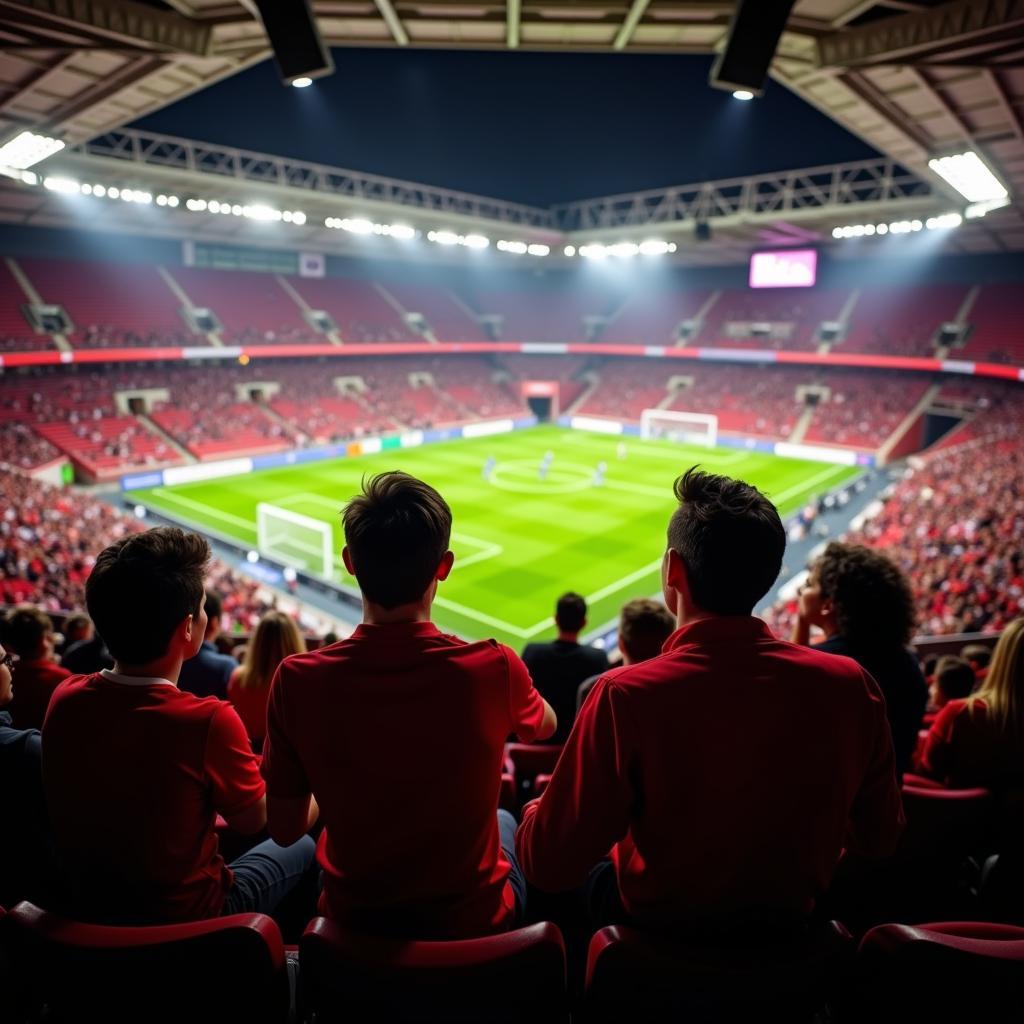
(743, 94)
(538, 249)
(301, 83)
(451, 238)
(519, 248)
(476, 242)
(593, 252)
(970, 176)
(63, 185)
(28, 149)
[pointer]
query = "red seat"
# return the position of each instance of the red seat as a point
(228, 968)
(945, 821)
(965, 970)
(540, 783)
(636, 976)
(508, 800)
(529, 761)
(515, 976)
(921, 782)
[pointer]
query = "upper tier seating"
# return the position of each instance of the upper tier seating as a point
(804, 308)
(253, 308)
(446, 316)
(15, 333)
(997, 320)
(362, 314)
(651, 318)
(901, 321)
(109, 444)
(543, 314)
(22, 447)
(112, 304)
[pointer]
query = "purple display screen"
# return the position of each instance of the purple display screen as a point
(784, 268)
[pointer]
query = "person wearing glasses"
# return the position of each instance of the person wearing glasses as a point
(25, 830)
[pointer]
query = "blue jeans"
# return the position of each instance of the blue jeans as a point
(516, 878)
(266, 874)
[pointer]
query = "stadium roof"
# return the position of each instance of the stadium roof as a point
(913, 79)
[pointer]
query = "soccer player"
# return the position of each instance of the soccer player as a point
(352, 725)
(602, 468)
(489, 467)
(727, 774)
(545, 464)
(621, 450)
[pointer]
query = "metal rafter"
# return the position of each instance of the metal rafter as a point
(513, 12)
(393, 22)
(625, 33)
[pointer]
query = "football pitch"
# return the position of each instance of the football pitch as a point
(519, 540)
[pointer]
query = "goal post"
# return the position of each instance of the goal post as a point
(682, 427)
(299, 541)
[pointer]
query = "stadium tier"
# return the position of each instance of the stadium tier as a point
(113, 305)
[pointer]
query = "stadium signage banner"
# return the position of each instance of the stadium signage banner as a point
(784, 268)
(487, 428)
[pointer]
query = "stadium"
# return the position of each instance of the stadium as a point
(592, 247)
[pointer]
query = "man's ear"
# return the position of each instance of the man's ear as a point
(675, 574)
(346, 557)
(445, 566)
(188, 628)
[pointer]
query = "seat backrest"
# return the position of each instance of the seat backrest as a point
(945, 822)
(946, 941)
(642, 976)
(532, 759)
(514, 976)
(204, 970)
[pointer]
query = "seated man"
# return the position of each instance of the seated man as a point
(24, 851)
(208, 673)
(136, 770)
(398, 732)
(28, 633)
(954, 679)
(727, 774)
(557, 668)
(644, 626)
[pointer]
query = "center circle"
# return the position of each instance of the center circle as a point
(523, 476)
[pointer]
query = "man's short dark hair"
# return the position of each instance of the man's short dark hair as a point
(954, 677)
(76, 622)
(213, 606)
(977, 654)
(397, 532)
(644, 626)
(730, 539)
(25, 630)
(570, 612)
(142, 587)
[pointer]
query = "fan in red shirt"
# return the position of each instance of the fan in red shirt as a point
(28, 633)
(398, 732)
(137, 770)
(725, 776)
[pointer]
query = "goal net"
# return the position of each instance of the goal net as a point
(681, 427)
(297, 540)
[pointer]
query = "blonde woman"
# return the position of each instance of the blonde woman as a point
(979, 741)
(275, 638)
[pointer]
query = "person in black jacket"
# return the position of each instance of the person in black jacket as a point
(208, 672)
(864, 605)
(558, 668)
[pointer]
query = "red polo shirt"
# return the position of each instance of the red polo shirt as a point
(135, 773)
(33, 684)
(725, 776)
(398, 732)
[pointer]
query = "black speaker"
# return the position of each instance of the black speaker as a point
(702, 232)
(295, 39)
(753, 37)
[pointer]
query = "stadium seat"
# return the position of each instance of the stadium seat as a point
(531, 760)
(540, 783)
(515, 976)
(948, 820)
(228, 968)
(508, 800)
(921, 782)
(755, 976)
(965, 970)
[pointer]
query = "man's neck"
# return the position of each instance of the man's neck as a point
(376, 615)
(162, 668)
(568, 638)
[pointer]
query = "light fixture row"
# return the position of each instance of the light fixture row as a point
(622, 250)
(941, 222)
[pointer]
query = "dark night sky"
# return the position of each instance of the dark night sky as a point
(534, 127)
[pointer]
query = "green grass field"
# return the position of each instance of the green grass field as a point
(519, 541)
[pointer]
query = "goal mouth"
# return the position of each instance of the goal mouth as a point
(682, 427)
(300, 541)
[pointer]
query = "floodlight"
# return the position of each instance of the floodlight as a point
(624, 250)
(443, 237)
(476, 242)
(653, 247)
(400, 231)
(298, 217)
(944, 221)
(981, 209)
(357, 225)
(970, 176)
(570, 250)
(538, 249)
(593, 252)
(65, 185)
(301, 83)
(743, 94)
(837, 232)
(27, 149)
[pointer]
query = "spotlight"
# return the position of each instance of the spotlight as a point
(27, 149)
(970, 176)
(570, 250)
(537, 249)
(743, 94)
(301, 83)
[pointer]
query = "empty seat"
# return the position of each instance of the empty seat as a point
(530, 760)
(515, 976)
(228, 968)
(757, 975)
(964, 970)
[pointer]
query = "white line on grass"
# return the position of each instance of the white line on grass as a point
(199, 506)
(806, 484)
